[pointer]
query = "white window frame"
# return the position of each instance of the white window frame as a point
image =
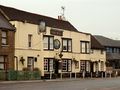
(67, 45)
(48, 42)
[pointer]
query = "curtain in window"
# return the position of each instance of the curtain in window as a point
(45, 42)
(51, 42)
(65, 45)
(69, 45)
(83, 47)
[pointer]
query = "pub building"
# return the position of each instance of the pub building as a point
(54, 46)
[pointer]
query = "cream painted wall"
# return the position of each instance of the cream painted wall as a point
(96, 56)
(76, 38)
(22, 49)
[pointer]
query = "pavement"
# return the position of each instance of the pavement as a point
(51, 80)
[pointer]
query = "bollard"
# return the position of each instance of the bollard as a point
(105, 74)
(110, 74)
(83, 74)
(70, 75)
(116, 74)
(61, 75)
(50, 74)
(91, 75)
(102, 74)
(75, 75)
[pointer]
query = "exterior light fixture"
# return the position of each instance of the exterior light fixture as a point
(22, 60)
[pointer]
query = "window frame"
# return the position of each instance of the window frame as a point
(4, 62)
(48, 42)
(86, 67)
(6, 37)
(49, 64)
(67, 49)
(32, 63)
(68, 67)
(87, 47)
(29, 40)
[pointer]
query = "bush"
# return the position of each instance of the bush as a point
(21, 75)
(12, 75)
(2, 75)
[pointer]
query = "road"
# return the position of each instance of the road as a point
(79, 84)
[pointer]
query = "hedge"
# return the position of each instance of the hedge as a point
(20, 75)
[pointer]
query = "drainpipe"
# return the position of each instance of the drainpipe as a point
(16, 58)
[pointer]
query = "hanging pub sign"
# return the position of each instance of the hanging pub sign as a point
(56, 32)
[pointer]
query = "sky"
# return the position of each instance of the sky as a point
(98, 17)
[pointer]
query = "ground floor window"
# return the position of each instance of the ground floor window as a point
(96, 66)
(84, 65)
(66, 65)
(102, 66)
(3, 62)
(48, 64)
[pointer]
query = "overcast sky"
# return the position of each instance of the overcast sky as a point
(99, 17)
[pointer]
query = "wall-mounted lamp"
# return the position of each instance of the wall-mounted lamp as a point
(74, 60)
(60, 55)
(22, 60)
(35, 59)
(99, 61)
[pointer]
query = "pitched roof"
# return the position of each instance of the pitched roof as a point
(113, 56)
(4, 23)
(95, 44)
(19, 15)
(107, 41)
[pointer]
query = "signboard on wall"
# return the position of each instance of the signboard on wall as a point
(56, 32)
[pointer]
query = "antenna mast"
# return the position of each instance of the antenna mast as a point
(63, 12)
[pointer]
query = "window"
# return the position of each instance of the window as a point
(45, 64)
(29, 40)
(102, 66)
(85, 65)
(2, 62)
(48, 64)
(48, 42)
(66, 65)
(96, 66)
(30, 63)
(107, 49)
(82, 65)
(67, 45)
(85, 48)
(4, 38)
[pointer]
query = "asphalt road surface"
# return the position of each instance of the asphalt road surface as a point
(79, 84)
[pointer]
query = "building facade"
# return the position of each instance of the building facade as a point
(51, 45)
(7, 32)
(98, 56)
(112, 51)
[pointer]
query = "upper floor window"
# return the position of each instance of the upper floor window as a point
(48, 42)
(67, 45)
(85, 48)
(4, 38)
(29, 40)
